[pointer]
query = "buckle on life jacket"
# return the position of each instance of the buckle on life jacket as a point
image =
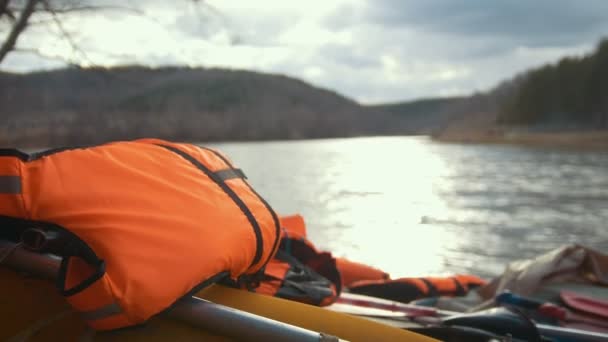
(96, 274)
(53, 241)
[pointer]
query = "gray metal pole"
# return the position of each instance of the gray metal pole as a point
(40, 265)
(241, 325)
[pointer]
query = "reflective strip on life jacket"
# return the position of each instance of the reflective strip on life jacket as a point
(10, 185)
(11, 201)
(102, 312)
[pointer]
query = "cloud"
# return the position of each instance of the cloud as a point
(372, 51)
(438, 47)
(240, 28)
(538, 23)
(353, 55)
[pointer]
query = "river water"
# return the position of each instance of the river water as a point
(412, 206)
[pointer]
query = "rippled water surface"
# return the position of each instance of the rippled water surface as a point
(412, 206)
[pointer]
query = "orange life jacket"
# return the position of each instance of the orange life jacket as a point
(147, 221)
(299, 271)
(352, 272)
(408, 289)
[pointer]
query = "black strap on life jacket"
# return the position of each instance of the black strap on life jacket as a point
(322, 263)
(301, 282)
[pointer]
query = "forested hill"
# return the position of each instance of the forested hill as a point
(571, 93)
(84, 106)
(80, 106)
(422, 116)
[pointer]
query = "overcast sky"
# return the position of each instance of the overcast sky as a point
(372, 51)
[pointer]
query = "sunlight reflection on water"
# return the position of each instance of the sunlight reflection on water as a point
(412, 206)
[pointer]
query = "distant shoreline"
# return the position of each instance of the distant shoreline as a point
(583, 140)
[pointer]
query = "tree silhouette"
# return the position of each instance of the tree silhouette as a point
(16, 16)
(570, 92)
(19, 17)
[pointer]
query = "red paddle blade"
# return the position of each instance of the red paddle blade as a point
(362, 301)
(585, 304)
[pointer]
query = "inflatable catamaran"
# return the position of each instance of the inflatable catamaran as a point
(154, 240)
(129, 232)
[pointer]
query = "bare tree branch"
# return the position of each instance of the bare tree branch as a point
(40, 22)
(66, 35)
(65, 12)
(25, 10)
(27, 13)
(8, 12)
(94, 8)
(18, 27)
(3, 7)
(39, 53)
(89, 8)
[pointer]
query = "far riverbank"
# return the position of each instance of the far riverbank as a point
(593, 140)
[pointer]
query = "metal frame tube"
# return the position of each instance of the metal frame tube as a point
(212, 317)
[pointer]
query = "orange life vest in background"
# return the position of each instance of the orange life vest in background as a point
(145, 223)
(294, 228)
(286, 277)
(408, 289)
(299, 271)
(352, 272)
